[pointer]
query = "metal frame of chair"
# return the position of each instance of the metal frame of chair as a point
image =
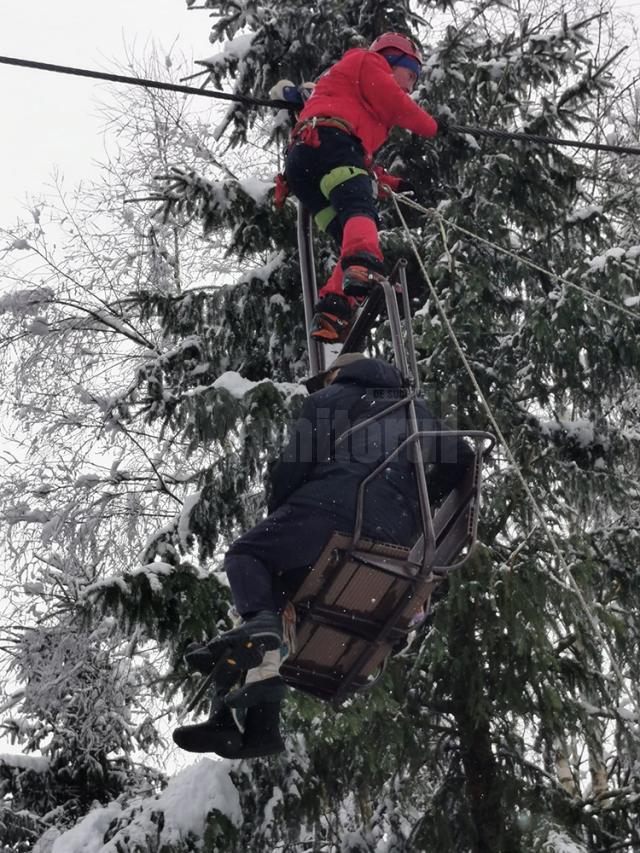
(360, 600)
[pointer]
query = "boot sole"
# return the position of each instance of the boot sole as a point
(224, 742)
(324, 338)
(324, 330)
(242, 652)
(227, 743)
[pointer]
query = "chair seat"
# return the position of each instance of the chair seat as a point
(352, 610)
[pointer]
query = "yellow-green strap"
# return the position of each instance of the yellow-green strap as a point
(324, 218)
(338, 176)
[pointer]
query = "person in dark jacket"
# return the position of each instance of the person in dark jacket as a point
(349, 115)
(314, 488)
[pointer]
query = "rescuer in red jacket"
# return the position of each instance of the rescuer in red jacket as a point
(352, 109)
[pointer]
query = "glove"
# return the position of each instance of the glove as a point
(443, 125)
(306, 90)
(285, 90)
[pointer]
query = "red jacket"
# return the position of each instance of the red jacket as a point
(361, 89)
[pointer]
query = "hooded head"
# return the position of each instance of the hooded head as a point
(356, 367)
(315, 383)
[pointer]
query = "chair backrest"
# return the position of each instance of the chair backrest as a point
(455, 523)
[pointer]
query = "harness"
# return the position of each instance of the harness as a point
(306, 132)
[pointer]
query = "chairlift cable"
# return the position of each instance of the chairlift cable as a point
(144, 82)
(252, 101)
(545, 140)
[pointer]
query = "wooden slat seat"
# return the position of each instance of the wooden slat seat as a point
(342, 609)
(358, 603)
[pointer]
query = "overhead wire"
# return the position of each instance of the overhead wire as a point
(572, 583)
(145, 83)
(252, 101)
(545, 140)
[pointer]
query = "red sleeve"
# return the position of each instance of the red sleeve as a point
(388, 101)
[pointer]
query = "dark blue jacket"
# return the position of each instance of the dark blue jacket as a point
(314, 472)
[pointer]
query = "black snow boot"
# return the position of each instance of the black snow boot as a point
(332, 319)
(242, 648)
(262, 731)
(262, 684)
(362, 272)
(219, 734)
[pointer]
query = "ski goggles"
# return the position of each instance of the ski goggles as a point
(404, 61)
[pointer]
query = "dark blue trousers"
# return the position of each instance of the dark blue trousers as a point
(267, 564)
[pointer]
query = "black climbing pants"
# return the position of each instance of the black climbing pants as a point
(306, 167)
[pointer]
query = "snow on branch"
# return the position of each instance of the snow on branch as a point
(193, 799)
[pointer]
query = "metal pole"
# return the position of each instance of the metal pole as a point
(309, 287)
(396, 329)
(408, 328)
(415, 451)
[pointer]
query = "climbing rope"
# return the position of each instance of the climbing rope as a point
(572, 583)
(519, 258)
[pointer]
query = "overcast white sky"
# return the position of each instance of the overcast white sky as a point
(51, 120)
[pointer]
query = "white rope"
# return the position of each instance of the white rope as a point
(573, 585)
(525, 261)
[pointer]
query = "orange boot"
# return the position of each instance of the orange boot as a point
(362, 272)
(332, 320)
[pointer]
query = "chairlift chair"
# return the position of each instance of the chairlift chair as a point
(362, 597)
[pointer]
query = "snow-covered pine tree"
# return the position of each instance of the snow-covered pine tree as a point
(76, 710)
(480, 737)
(86, 487)
(521, 660)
